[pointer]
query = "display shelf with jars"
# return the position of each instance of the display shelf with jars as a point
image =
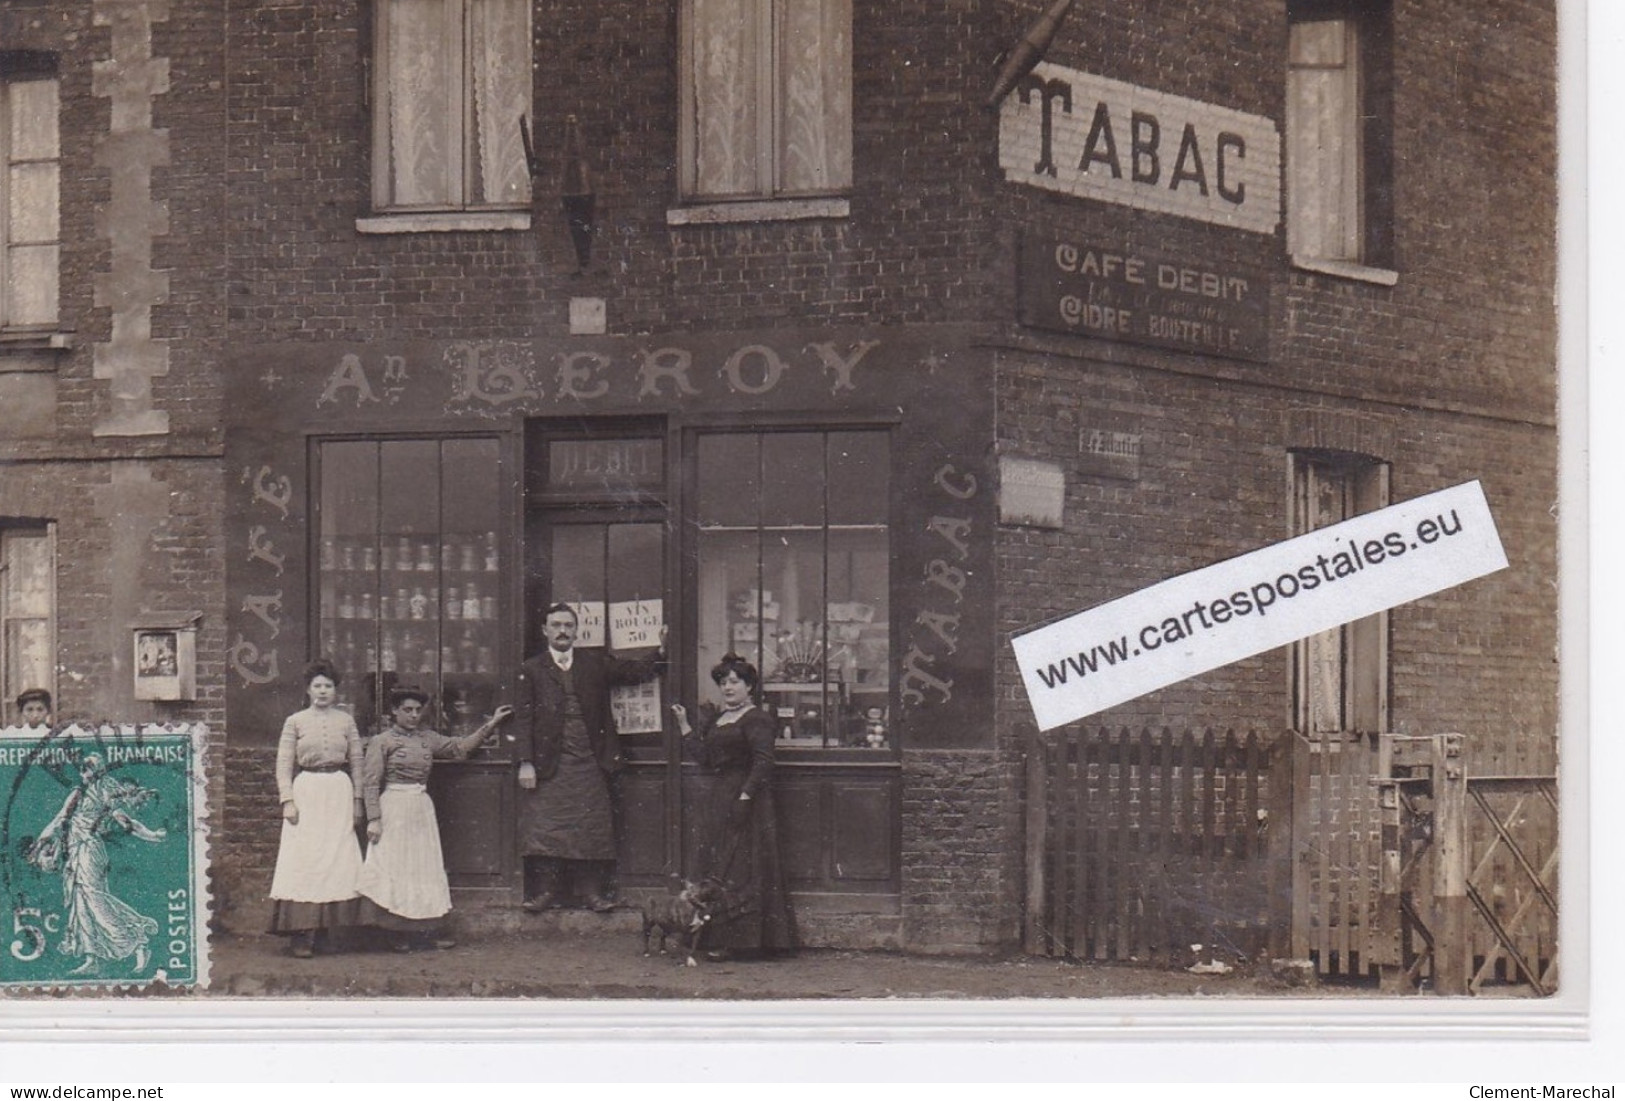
(400, 609)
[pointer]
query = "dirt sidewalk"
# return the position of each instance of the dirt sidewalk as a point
(607, 962)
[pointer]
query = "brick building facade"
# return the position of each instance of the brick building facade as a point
(247, 288)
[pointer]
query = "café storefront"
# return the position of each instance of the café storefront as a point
(820, 501)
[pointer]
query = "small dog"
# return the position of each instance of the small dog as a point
(683, 913)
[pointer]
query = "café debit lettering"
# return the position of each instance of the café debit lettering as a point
(1258, 601)
(1140, 298)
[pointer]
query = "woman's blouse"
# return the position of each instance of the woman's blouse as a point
(738, 744)
(316, 738)
(396, 757)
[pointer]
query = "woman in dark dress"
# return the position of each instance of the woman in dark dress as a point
(740, 830)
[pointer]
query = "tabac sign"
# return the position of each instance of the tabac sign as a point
(1068, 131)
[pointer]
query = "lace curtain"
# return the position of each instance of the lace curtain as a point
(456, 68)
(771, 97)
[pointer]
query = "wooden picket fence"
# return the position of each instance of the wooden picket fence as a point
(1141, 845)
(1374, 857)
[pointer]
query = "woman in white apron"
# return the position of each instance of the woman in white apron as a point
(403, 881)
(319, 860)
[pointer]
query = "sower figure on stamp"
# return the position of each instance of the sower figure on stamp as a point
(570, 751)
(99, 925)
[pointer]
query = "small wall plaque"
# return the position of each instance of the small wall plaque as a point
(1031, 493)
(165, 656)
(1107, 454)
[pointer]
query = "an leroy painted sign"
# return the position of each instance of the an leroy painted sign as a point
(1068, 131)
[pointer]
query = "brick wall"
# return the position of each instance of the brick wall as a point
(961, 851)
(1214, 483)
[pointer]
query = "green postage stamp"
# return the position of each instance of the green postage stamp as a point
(103, 857)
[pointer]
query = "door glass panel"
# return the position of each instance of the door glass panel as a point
(578, 570)
(613, 574)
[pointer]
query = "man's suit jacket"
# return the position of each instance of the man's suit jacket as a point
(539, 709)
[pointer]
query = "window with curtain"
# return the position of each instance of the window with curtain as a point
(30, 224)
(27, 611)
(766, 99)
(1340, 676)
(452, 78)
(793, 558)
(1339, 132)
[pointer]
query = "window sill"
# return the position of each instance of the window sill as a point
(766, 210)
(1347, 269)
(35, 340)
(493, 221)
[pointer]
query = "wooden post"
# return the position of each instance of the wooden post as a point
(1451, 946)
(1386, 947)
(1034, 933)
(1278, 841)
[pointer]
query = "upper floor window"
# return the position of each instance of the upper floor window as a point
(766, 99)
(452, 78)
(30, 222)
(1339, 132)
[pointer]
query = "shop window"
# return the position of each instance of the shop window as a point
(766, 99)
(27, 610)
(1339, 133)
(451, 80)
(1340, 676)
(793, 558)
(410, 577)
(30, 223)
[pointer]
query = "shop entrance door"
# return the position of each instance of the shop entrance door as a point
(595, 525)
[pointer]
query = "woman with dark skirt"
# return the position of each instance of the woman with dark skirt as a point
(739, 852)
(403, 880)
(318, 863)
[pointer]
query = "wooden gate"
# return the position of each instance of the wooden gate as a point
(1406, 868)
(1469, 884)
(1140, 845)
